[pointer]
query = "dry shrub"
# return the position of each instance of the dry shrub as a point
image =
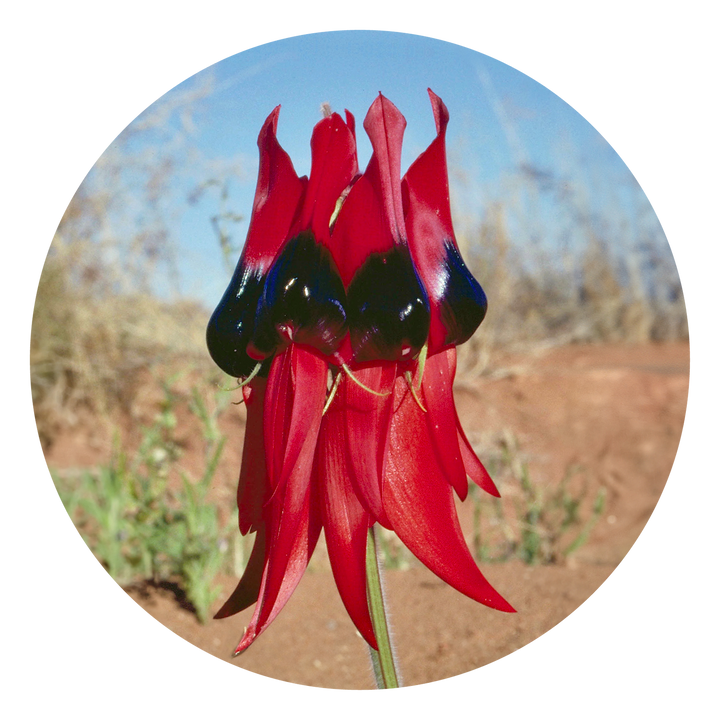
(592, 293)
(91, 346)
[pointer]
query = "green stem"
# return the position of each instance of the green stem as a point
(382, 659)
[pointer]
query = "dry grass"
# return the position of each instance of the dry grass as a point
(91, 347)
(588, 294)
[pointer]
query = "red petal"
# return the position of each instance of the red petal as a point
(277, 198)
(437, 394)
(295, 397)
(293, 411)
(334, 165)
(288, 568)
(454, 452)
(474, 468)
(367, 417)
(371, 219)
(427, 179)
(345, 521)
(419, 503)
(248, 589)
(385, 126)
(253, 486)
(458, 303)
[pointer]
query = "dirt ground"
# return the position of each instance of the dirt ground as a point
(615, 410)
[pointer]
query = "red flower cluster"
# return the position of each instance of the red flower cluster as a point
(343, 315)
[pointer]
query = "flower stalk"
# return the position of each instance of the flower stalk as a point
(383, 660)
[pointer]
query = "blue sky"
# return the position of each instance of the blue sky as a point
(500, 120)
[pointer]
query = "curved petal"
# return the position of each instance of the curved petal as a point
(248, 589)
(288, 569)
(385, 126)
(277, 198)
(437, 394)
(365, 431)
(294, 402)
(419, 503)
(293, 411)
(440, 397)
(345, 521)
(253, 485)
(371, 219)
(474, 468)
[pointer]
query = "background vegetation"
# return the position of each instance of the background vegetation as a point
(112, 329)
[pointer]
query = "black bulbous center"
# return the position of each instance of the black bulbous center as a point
(303, 300)
(232, 323)
(463, 303)
(387, 307)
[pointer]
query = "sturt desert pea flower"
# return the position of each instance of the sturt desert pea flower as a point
(389, 452)
(457, 302)
(379, 449)
(300, 320)
(429, 428)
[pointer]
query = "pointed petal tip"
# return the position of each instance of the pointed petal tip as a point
(503, 606)
(233, 605)
(271, 122)
(221, 614)
(249, 636)
(371, 641)
(488, 596)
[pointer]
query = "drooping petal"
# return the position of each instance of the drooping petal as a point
(365, 431)
(253, 486)
(439, 395)
(277, 201)
(345, 521)
(253, 489)
(458, 303)
(437, 384)
(293, 410)
(299, 546)
(419, 503)
(474, 468)
(248, 589)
